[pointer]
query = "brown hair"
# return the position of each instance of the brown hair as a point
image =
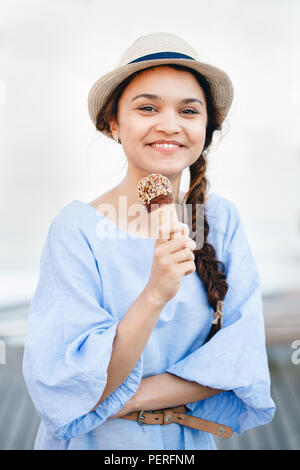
(210, 270)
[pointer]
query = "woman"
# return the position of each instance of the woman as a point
(120, 327)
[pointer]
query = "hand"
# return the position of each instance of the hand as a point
(134, 404)
(173, 259)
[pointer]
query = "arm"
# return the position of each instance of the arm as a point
(166, 391)
(138, 323)
(131, 337)
(235, 358)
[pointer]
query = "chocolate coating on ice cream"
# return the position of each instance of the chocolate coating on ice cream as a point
(159, 201)
(154, 189)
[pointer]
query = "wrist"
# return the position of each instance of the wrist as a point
(152, 299)
(136, 402)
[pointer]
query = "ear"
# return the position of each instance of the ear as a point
(114, 128)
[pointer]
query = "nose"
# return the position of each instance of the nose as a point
(167, 122)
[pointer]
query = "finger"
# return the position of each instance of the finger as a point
(171, 230)
(172, 246)
(187, 267)
(164, 233)
(185, 230)
(179, 245)
(183, 255)
(161, 236)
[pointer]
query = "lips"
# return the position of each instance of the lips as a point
(166, 149)
(167, 142)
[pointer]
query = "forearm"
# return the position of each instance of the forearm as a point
(131, 338)
(167, 390)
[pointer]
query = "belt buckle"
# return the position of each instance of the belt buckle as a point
(140, 417)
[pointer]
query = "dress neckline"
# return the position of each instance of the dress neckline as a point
(111, 223)
(117, 227)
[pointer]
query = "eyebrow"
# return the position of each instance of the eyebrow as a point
(156, 97)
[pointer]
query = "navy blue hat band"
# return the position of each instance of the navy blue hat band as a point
(162, 55)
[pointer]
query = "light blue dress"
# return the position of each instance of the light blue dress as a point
(88, 282)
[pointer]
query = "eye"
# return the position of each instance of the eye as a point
(145, 108)
(191, 110)
(149, 108)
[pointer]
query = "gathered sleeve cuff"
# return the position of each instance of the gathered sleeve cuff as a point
(69, 338)
(109, 407)
(234, 359)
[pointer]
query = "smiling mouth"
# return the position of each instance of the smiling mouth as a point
(174, 144)
(166, 148)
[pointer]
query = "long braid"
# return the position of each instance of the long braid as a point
(206, 262)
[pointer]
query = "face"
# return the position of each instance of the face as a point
(164, 116)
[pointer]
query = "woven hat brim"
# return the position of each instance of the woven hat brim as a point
(221, 85)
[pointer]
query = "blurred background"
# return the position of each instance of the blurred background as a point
(51, 53)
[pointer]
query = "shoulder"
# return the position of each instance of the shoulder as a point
(221, 213)
(73, 223)
(67, 218)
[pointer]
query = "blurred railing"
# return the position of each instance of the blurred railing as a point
(19, 420)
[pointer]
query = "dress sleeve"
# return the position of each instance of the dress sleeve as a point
(234, 359)
(69, 338)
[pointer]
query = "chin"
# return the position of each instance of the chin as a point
(168, 172)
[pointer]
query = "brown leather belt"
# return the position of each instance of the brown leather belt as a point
(178, 415)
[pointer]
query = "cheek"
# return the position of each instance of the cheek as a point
(134, 130)
(198, 134)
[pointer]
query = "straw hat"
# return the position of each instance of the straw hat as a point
(156, 49)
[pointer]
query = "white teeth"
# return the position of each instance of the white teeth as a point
(165, 145)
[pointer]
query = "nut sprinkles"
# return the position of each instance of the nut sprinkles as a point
(153, 186)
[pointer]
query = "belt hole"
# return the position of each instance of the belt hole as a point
(156, 419)
(179, 418)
